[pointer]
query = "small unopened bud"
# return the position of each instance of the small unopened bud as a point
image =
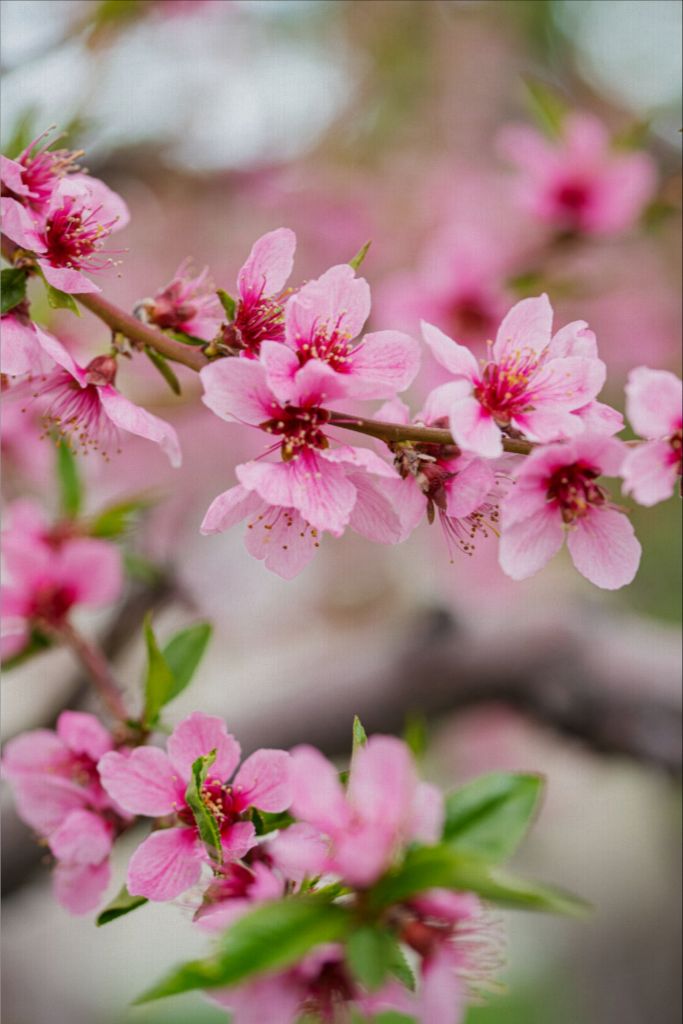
(101, 370)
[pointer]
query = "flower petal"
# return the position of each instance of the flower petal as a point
(604, 548)
(653, 402)
(268, 265)
(474, 429)
(80, 887)
(143, 781)
(526, 546)
(230, 508)
(82, 838)
(196, 736)
(136, 420)
(237, 389)
(528, 325)
(166, 864)
(457, 359)
(650, 472)
(385, 362)
(317, 794)
(263, 782)
(84, 734)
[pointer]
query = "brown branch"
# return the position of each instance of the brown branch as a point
(96, 666)
(396, 433)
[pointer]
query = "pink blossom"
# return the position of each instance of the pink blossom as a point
(58, 793)
(85, 405)
(580, 182)
(236, 890)
(321, 322)
(556, 493)
(50, 574)
(329, 488)
(533, 382)
(188, 304)
(653, 405)
(439, 479)
(81, 214)
(260, 311)
(33, 176)
(22, 351)
(383, 808)
(149, 782)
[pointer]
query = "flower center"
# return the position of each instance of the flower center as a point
(575, 492)
(676, 444)
(256, 321)
(504, 387)
(330, 345)
(573, 197)
(300, 427)
(470, 317)
(51, 602)
(73, 235)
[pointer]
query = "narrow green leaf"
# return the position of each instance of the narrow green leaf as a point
(490, 816)
(270, 938)
(228, 303)
(360, 737)
(369, 951)
(357, 260)
(122, 904)
(186, 339)
(546, 107)
(183, 654)
(442, 867)
(159, 676)
(61, 300)
(12, 288)
(206, 823)
(415, 734)
(114, 520)
(69, 480)
(162, 365)
(400, 968)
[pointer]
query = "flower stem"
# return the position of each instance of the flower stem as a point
(97, 668)
(395, 433)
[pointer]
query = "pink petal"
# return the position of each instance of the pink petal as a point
(317, 383)
(19, 225)
(626, 185)
(196, 736)
(604, 548)
(427, 814)
(474, 429)
(82, 838)
(44, 802)
(528, 325)
(409, 502)
(80, 887)
(653, 402)
(230, 508)
(599, 418)
(373, 514)
(268, 265)
(576, 339)
(263, 782)
(549, 422)
(136, 420)
(109, 205)
(471, 485)
(338, 300)
(11, 175)
(528, 545)
(363, 852)
(382, 782)
(38, 751)
(166, 864)
(282, 539)
(385, 362)
(571, 382)
(457, 359)
(441, 999)
(317, 795)
(84, 734)
(361, 458)
(143, 782)
(237, 389)
(650, 473)
(441, 400)
(394, 411)
(57, 352)
(21, 351)
(238, 839)
(276, 999)
(299, 851)
(281, 366)
(92, 568)
(66, 279)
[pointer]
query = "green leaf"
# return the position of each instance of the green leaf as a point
(206, 823)
(122, 904)
(159, 681)
(400, 968)
(183, 653)
(61, 300)
(12, 288)
(68, 477)
(415, 734)
(157, 360)
(490, 816)
(140, 568)
(228, 303)
(442, 867)
(370, 953)
(360, 737)
(270, 938)
(357, 260)
(633, 137)
(546, 106)
(116, 519)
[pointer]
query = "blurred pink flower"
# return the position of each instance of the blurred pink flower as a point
(581, 182)
(58, 793)
(534, 382)
(85, 405)
(653, 405)
(324, 485)
(22, 351)
(187, 304)
(321, 322)
(149, 782)
(555, 493)
(81, 214)
(382, 810)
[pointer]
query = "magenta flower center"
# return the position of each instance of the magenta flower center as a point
(260, 319)
(76, 411)
(574, 491)
(470, 316)
(573, 197)
(504, 387)
(676, 444)
(330, 989)
(51, 602)
(74, 235)
(300, 427)
(218, 799)
(330, 345)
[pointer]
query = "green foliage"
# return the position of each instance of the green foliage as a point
(416, 734)
(69, 481)
(12, 287)
(370, 952)
(162, 365)
(547, 109)
(61, 300)
(358, 259)
(360, 737)
(490, 816)
(159, 679)
(122, 904)
(442, 867)
(204, 819)
(228, 303)
(115, 520)
(171, 669)
(269, 938)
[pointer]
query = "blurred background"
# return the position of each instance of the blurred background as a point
(350, 120)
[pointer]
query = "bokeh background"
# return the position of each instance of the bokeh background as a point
(350, 120)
